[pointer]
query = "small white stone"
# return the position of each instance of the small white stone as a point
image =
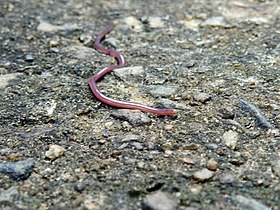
(124, 73)
(159, 201)
(230, 139)
(203, 175)
(216, 22)
(54, 152)
(4, 79)
(155, 22)
(132, 23)
(48, 27)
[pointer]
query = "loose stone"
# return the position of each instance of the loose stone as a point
(135, 118)
(230, 139)
(203, 175)
(9, 196)
(159, 201)
(129, 72)
(212, 165)
(155, 22)
(29, 58)
(202, 97)
(54, 152)
(161, 90)
(4, 79)
(275, 166)
(226, 179)
(19, 170)
(190, 63)
(249, 203)
(216, 22)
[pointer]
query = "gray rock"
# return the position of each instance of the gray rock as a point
(80, 52)
(132, 23)
(48, 27)
(29, 58)
(5, 151)
(190, 63)
(134, 117)
(112, 42)
(155, 22)
(127, 72)
(226, 179)
(54, 152)
(165, 102)
(216, 22)
(159, 201)
(202, 97)
(161, 90)
(212, 165)
(250, 204)
(130, 137)
(19, 170)
(275, 166)
(230, 139)
(4, 79)
(137, 145)
(203, 175)
(85, 38)
(9, 195)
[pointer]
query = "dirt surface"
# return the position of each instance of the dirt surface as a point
(215, 62)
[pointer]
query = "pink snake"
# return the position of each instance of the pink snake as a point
(120, 63)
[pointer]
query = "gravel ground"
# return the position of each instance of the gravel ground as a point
(215, 62)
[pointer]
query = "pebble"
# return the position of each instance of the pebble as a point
(190, 63)
(5, 151)
(226, 179)
(202, 97)
(161, 90)
(134, 117)
(54, 152)
(29, 58)
(227, 113)
(85, 38)
(79, 51)
(132, 23)
(155, 22)
(216, 22)
(137, 145)
(54, 49)
(243, 11)
(212, 165)
(192, 24)
(128, 72)
(130, 137)
(189, 160)
(159, 201)
(203, 175)
(230, 139)
(19, 170)
(252, 81)
(165, 102)
(275, 166)
(4, 79)
(9, 196)
(3, 71)
(53, 43)
(48, 27)
(111, 42)
(249, 203)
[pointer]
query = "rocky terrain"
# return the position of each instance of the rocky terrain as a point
(217, 63)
